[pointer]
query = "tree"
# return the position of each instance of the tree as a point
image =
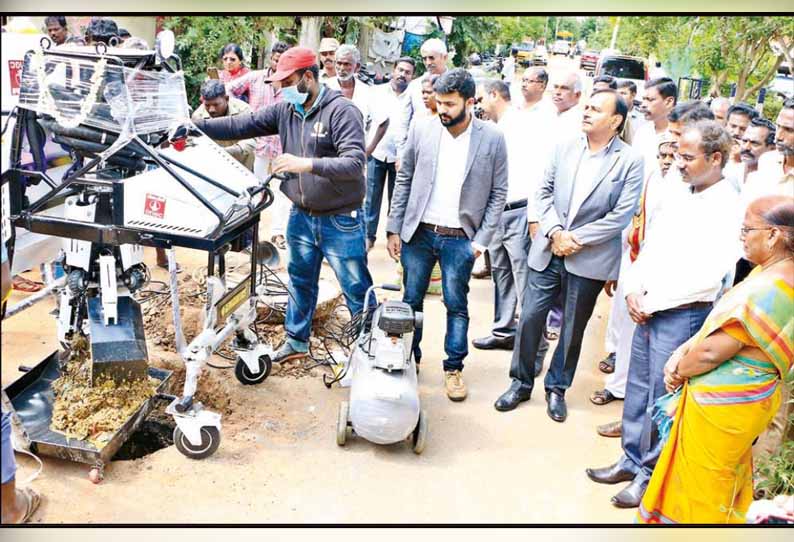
(200, 39)
(468, 35)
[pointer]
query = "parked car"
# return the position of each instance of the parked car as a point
(623, 67)
(561, 47)
(525, 54)
(540, 56)
(783, 85)
(588, 61)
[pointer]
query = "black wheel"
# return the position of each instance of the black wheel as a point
(420, 433)
(244, 374)
(210, 440)
(341, 423)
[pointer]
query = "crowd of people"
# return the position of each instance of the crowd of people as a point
(681, 212)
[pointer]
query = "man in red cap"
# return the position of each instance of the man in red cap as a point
(322, 137)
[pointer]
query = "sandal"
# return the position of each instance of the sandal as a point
(32, 500)
(602, 397)
(551, 334)
(279, 241)
(22, 284)
(607, 365)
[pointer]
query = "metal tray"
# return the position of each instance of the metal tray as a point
(31, 396)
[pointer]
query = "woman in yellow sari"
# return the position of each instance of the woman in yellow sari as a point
(728, 381)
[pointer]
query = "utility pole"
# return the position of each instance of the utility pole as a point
(615, 34)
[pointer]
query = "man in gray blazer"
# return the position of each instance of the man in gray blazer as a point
(448, 199)
(589, 192)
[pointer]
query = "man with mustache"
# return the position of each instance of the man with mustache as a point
(739, 117)
(759, 138)
(448, 199)
(381, 147)
(327, 52)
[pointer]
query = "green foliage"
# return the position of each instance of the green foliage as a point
(468, 36)
(200, 39)
(776, 473)
(510, 30)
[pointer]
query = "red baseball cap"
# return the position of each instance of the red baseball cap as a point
(291, 60)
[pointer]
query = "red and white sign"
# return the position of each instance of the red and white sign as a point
(15, 75)
(154, 206)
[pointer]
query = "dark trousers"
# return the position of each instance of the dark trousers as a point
(379, 174)
(651, 347)
(579, 295)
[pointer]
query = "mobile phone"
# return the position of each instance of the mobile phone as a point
(213, 73)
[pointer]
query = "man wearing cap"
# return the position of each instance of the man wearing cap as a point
(322, 136)
(328, 47)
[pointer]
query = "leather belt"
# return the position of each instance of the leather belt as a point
(443, 230)
(695, 305)
(518, 204)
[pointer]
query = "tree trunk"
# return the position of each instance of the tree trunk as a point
(310, 32)
(364, 37)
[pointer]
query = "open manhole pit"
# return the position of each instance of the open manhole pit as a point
(155, 433)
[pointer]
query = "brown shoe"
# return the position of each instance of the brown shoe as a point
(453, 382)
(611, 430)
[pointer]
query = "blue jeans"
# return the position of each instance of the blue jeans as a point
(9, 466)
(456, 257)
(651, 347)
(340, 240)
(377, 174)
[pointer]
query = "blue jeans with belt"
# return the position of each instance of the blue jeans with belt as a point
(651, 347)
(340, 240)
(378, 174)
(456, 257)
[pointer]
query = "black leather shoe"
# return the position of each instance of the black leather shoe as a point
(518, 393)
(631, 495)
(556, 408)
(613, 474)
(492, 342)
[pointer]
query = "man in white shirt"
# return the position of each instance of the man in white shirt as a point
(628, 90)
(739, 117)
(510, 245)
(434, 57)
(670, 290)
(658, 100)
(509, 67)
(385, 108)
(533, 86)
(775, 173)
(348, 62)
(448, 199)
(656, 187)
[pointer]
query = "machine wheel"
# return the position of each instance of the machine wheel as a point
(246, 377)
(341, 423)
(420, 433)
(210, 440)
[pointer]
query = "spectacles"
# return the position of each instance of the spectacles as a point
(745, 230)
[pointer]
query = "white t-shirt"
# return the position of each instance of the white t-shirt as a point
(385, 104)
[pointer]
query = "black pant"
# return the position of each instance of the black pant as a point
(579, 295)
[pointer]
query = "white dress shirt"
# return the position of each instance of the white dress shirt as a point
(692, 246)
(769, 180)
(586, 174)
(361, 96)
(384, 105)
(526, 150)
(550, 127)
(646, 140)
(443, 207)
(509, 69)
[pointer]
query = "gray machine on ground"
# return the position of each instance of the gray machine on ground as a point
(384, 403)
(141, 177)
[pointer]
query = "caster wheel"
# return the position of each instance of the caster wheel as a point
(246, 377)
(341, 423)
(96, 475)
(420, 433)
(210, 440)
